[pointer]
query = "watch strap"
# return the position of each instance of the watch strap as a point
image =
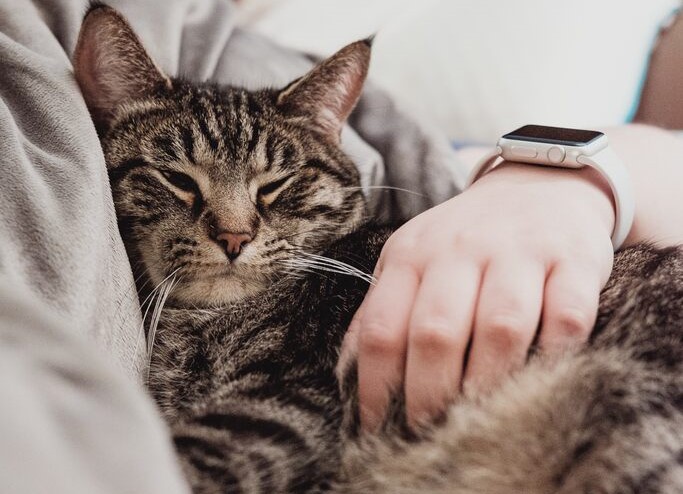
(485, 164)
(615, 173)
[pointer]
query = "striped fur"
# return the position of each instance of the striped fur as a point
(231, 143)
(251, 395)
(243, 357)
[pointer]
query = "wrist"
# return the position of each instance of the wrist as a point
(586, 186)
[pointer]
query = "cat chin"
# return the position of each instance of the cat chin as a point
(214, 292)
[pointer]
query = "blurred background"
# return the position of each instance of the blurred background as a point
(480, 68)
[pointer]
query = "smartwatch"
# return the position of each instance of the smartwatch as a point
(568, 148)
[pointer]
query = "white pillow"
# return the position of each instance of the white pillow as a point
(480, 68)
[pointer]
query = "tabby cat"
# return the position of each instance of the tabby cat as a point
(226, 199)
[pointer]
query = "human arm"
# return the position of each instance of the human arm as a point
(524, 246)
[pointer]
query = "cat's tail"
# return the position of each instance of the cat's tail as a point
(608, 419)
(590, 423)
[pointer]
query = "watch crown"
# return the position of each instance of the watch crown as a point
(556, 155)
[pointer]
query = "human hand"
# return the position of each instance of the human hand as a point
(524, 245)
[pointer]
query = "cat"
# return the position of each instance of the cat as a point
(241, 207)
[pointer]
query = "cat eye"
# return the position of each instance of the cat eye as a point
(273, 186)
(182, 181)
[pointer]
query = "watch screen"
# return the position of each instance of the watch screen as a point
(553, 135)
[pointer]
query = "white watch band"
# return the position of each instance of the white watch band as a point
(607, 163)
(615, 173)
(483, 166)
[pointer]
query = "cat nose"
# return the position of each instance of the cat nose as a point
(233, 243)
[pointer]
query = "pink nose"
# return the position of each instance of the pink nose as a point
(233, 243)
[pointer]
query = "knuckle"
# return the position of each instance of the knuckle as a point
(400, 248)
(573, 323)
(433, 338)
(378, 339)
(549, 250)
(592, 259)
(506, 333)
(466, 238)
(470, 242)
(354, 327)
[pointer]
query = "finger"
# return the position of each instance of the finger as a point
(570, 307)
(349, 347)
(506, 320)
(440, 327)
(382, 341)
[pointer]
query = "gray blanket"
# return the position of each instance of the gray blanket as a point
(70, 419)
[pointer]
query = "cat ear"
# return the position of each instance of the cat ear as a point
(111, 64)
(326, 95)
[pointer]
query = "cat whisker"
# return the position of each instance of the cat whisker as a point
(358, 259)
(310, 261)
(386, 187)
(131, 302)
(316, 231)
(148, 300)
(159, 285)
(299, 270)
(133, 286)
(317, 269)
(164, 290)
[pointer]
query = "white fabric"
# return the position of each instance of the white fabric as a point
(481, 68)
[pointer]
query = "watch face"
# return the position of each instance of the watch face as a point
(553, 135)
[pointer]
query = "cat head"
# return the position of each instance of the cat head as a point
(218, 187)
